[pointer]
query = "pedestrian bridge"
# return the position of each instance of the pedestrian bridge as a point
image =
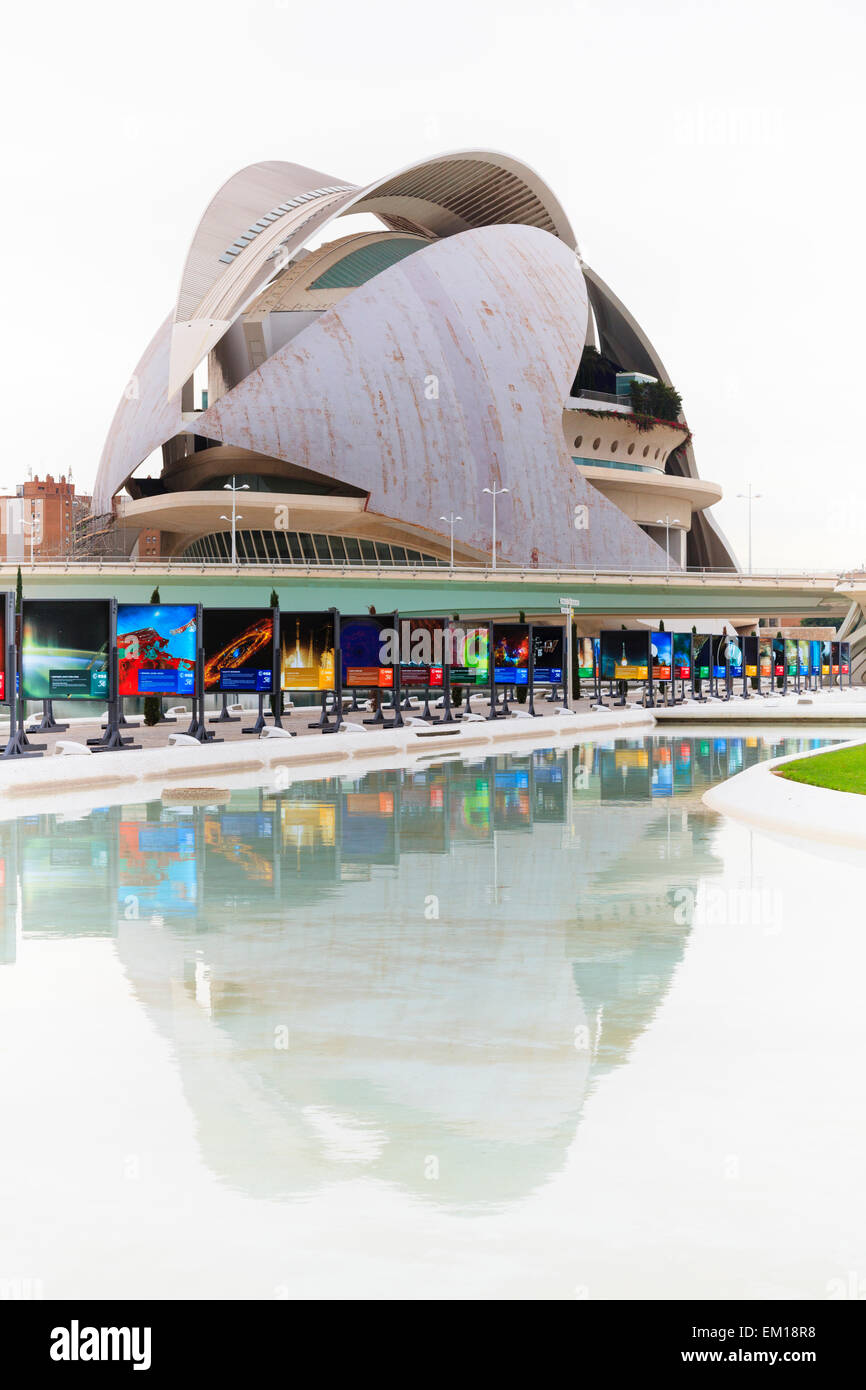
(596, 594)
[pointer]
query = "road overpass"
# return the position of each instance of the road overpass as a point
(597, 594)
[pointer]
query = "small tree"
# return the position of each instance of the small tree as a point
(276, 695)
(152, 703)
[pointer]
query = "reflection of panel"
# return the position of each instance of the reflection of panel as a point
(682, 759)
(242, 843)
(368, 825)
(309, 839)
(8, 893)
(512, 801)
(470, 794)
(625, 774)
(662, 771)
(157, 870)
(423, 819)
(66, 880)
(549, 772)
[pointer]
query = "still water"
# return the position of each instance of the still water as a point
(529, 1026)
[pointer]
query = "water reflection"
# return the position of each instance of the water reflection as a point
(416, 976)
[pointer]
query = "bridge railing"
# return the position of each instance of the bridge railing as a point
(502, 574)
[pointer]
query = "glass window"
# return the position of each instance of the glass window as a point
(338, 550)
(353, 550)
(323, 553)
(307, 546)
(414, 557)
(368, 552)
(383, 553)
(281, 545)
(294, 546)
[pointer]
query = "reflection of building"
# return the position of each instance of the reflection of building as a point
(254, 911)
(363, 381)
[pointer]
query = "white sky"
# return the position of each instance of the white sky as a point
(709, 156)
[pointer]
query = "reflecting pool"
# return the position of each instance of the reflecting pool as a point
(536, 1025)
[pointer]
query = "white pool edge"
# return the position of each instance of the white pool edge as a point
(75, 784)
(759, 798)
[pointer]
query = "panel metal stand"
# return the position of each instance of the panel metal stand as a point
(197, 727)
(325, 723)
(531, 674)
(261, 722)
(18, 745)
(112, 740)
(224, 717)
(48, 724)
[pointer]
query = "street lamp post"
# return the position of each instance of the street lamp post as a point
(451, 520)
(667, 522)
(234, 488)
(494, 493)
(750, 497)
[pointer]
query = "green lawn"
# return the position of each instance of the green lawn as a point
(843, 770)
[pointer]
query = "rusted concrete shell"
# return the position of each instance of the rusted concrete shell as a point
(444, 375)
(144, 419)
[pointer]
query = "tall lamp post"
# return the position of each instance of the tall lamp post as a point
(494, 493)
(35, 519)
(750, 497)
(667, 522)
(234, 488)
(451, 520)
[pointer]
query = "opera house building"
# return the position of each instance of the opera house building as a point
(365, 361)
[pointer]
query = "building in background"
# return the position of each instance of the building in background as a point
(361, 384)
(41, 520)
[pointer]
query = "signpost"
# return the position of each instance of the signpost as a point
(566, 608)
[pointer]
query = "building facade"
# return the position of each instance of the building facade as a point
(361, 385)
(41, 520)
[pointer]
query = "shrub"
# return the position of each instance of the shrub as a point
(656, 399)
(152, 710)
